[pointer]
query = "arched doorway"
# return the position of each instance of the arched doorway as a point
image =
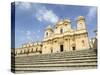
(73, 47)
(61, 48)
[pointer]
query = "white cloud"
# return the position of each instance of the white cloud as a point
(91, 14)
(44, 14)
(23, 5)
(40, 11)
(28, 32)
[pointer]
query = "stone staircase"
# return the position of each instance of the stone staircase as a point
(73, 60)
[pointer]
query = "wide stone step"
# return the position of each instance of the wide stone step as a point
(65, 53)
(59, 61)
(58, 54)
(28, 59)
(57, 65)
(73, 60)
(65, 59)
(46, 69)
(55, 62)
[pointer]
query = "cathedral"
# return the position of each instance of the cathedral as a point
(60, 38)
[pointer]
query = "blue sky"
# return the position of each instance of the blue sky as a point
(32, 18)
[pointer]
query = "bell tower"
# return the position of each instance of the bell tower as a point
(48, 32)
(82, 41)
(81, 23)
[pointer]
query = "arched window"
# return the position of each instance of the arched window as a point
(46, 33)
(83, 43)
(80, 23)
(51, 50)
(61, 31)
(55, 41)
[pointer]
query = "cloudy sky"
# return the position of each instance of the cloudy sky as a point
(32, 18)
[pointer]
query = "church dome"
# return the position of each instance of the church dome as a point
(80, 18)
(49, 27)
(60, 22)
(67, 20)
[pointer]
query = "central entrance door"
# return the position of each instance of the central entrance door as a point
(73, 48)
(61, 48)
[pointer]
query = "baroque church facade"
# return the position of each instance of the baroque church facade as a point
(60, 38)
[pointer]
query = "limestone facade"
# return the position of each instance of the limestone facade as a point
(29, 49)
(60, 38)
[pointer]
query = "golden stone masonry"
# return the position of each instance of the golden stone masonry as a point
(60, 38)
